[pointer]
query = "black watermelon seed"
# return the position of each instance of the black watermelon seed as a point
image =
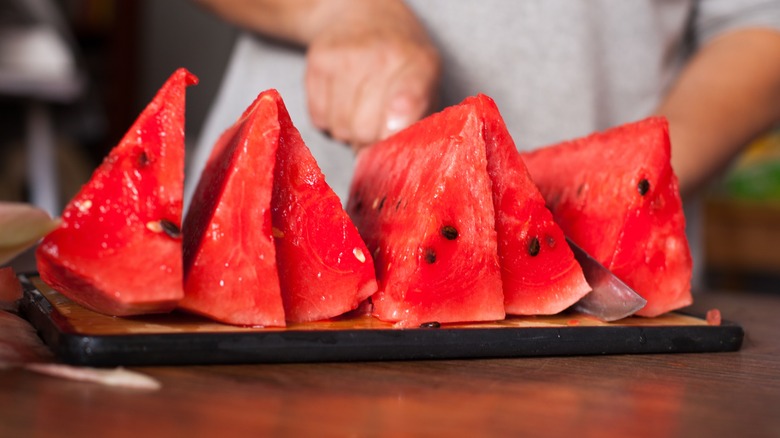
(449, 232)
(357, 204)
(579, 189)
(534, 247)
(143, 159)
(382, 203)
(430, 324)
(171, 229)
(430, 255)
(397, 205)
(643, 186)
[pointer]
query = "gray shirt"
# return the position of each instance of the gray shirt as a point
(557, 69)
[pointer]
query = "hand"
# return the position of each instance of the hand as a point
(371, 71)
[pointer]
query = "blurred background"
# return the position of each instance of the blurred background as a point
(74, 75)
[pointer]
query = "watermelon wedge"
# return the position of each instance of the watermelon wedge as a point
(422, 202)
(539, 272)
(266, 239)
(230, 270)
(615, 194)
(325, 268)
(459, 231)
(118, 248)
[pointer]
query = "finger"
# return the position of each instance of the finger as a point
(408, 98)
(368, 110)
(343, 93)
(403, 109)
(317, 82)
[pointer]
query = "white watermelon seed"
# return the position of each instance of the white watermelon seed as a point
(358, 253)
(166, 226)
(154, 226)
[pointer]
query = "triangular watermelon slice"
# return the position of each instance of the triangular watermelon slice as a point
(230, 270)
(422, 201)
(266, 238)
(539, 273)
(444, 203)
(118, 249)
(615, 194)
(325, 268)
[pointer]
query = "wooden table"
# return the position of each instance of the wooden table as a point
(679, 395)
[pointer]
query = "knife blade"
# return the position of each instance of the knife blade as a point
(610, 298)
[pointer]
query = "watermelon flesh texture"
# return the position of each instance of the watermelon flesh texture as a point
(266, 239)
(448, 186)
(118, 248)
(230, 272)
(422, 201)
(615, 194)
(325, 268)
(539, 272)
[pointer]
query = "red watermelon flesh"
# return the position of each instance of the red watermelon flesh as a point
(539, 273)
(118, 249)
(325, 269)
(266, 239)
(615, 194)
(230, 272)
(422, 201)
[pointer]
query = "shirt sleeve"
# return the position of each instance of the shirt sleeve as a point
(716, 17)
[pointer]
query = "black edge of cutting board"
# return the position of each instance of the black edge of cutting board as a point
(367, 344)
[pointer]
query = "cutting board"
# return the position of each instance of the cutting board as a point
(82, 337)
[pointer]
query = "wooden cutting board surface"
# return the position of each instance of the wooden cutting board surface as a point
(79, 335)
(81, 320)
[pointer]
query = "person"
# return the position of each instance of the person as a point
(354, 71)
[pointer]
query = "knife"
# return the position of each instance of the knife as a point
(610, 298)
